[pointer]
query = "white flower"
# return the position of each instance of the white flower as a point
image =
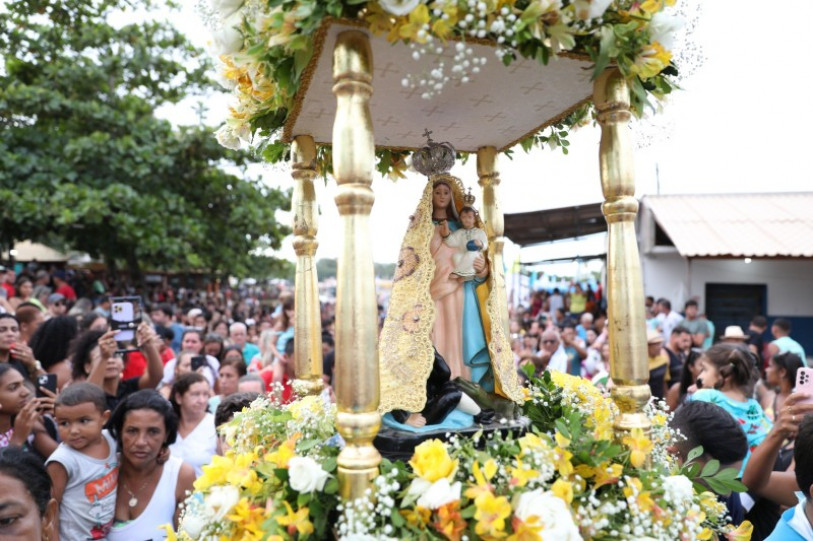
(193, 525)
(590, 9)
(399, 7)
(662, 29)
(552, 512)
(226, 7)
(228, 39)
(226, 138)
(306, 475)
(220, 500)
(678, 489)
(439, 494)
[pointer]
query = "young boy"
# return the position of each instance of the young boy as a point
(84, 468)
(469, 241)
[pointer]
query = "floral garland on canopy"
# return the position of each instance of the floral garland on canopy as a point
(264, 46)
(565, 479)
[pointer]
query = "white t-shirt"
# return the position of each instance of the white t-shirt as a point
(211, 374)
(558, 361)
(88, 503)
(198, 447)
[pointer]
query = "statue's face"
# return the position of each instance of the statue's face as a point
(467, 219)
(441, 196)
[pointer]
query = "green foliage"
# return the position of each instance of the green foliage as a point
(84, 159)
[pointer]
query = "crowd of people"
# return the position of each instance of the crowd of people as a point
(127, 430)
(733, 394)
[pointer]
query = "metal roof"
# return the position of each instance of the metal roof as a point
(526, 228)
(737, 225)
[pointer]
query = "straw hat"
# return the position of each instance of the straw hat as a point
(734, 332)
(653, 337)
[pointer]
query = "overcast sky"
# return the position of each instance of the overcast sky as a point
(738, 125)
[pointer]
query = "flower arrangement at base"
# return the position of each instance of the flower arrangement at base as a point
(566, 478)
(265, 45)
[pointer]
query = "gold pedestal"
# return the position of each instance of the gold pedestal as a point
(308, 324)
(629, 366)
(357, 385)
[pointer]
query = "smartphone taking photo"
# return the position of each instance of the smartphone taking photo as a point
(46, 381)
(125, 317)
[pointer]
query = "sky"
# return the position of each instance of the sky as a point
(739, 124)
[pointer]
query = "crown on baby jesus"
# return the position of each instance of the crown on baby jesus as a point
(468, 199)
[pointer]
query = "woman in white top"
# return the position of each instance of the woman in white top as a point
(150, 488)
(197, 439)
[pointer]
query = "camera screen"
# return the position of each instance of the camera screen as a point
(125, 315)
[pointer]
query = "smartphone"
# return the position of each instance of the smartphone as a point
(125, 316)
(47, 381)
(804, 384)
(197, 362)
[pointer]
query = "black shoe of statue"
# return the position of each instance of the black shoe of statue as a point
(485, 416)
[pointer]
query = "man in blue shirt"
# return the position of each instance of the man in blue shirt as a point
(238, 333)
(795, 524)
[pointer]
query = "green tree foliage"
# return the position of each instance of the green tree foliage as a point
(83, 157)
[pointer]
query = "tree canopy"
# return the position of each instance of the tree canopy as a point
(85, 160)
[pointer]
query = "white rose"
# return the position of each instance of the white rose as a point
(220, 501)
(417, 487)
(305, 475)
(590, 9)
(399, 7)
(228, 39)
(553, 513)
(678, 489)
(226, 7)
(439, 494)
(226, 137)
(193, 525)
(662, 29)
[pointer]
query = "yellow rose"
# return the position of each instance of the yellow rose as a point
(432, 462)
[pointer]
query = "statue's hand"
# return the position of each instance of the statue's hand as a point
(480, 266)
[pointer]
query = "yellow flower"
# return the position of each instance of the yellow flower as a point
(449, 521)
(607, 474)
(742, 533)
(312, 404)
(526, 531)
(639, 445)
(563, 464)
(284, 452)
(706, 534)
(482, 479)
(520, 475)
(215, 473)
(296, 521)
(652, 60)
(491, 514)
(418, 18)
(431, 461)
(561, 441)
(169, 531)
(563, 489)
(418, 517)
(531, 442)
(642, 497)
(248, 521)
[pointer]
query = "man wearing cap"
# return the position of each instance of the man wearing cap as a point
(57, 306)
(63, 287)
(734, 335)
(658, 364)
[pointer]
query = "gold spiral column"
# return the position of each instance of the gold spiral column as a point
(357, 385)
(629, 365)
(494, 222)
(308, 324)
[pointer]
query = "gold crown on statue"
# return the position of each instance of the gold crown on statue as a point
(433, 158)
(468, 199)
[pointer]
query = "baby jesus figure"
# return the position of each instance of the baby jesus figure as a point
(469, 242)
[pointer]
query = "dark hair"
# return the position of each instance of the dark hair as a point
(734, 362)
(21, 279)
(686, 377)
(803, 455)
(164, 333)
(782, 323)
(181, 385)
(665, 303)
(690, 302)
(51, 340)
(27, 312)
(709, 425)
(327, 338)
(82, 393)
(6, 315)
(790, 363)
(145, 399)
(28, 470)
(289, 347)
(237, 364)
(680, 329)
(80, 350)
(165, 308)
(192, 330)
(89, 319)
(287, 304)
(231, 404)
(5, 367)
(759, 321)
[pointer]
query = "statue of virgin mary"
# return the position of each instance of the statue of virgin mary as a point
(430, 309)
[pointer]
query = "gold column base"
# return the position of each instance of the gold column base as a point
(359, 460)
(630, 400)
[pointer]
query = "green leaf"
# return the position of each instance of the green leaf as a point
(694, 453)
(711, 467)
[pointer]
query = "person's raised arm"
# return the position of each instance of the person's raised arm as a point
(98, 365)
(148, 340)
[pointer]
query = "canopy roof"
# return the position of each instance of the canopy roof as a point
(527, 228)
(498, 107)
(737, 225)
